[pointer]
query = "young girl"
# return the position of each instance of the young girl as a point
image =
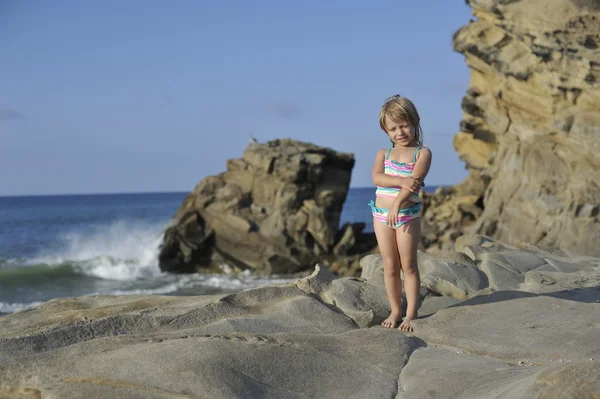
(399, 173)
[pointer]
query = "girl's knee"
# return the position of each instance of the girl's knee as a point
(392, 272)
(391, 268)
(409, 268)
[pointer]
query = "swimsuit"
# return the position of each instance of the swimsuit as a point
(404, 169)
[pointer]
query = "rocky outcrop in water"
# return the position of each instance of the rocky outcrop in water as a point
(530, 134)
(320, 336)
(275, 210)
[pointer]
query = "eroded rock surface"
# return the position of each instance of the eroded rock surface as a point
(530, 134)
(320, 336)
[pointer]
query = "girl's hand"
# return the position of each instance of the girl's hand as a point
(411, 184)
(392, 216)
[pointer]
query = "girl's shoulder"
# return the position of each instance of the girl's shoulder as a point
(383, 152)
(423, 150)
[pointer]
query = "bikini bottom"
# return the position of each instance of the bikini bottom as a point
(404, 215)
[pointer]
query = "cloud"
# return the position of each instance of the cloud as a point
(7, 114)
(284, 110)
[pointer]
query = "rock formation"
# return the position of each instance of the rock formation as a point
(275, 210)
(530, 138)
(530, 134)
(320, 336)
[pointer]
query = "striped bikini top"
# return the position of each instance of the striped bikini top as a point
(394, 168)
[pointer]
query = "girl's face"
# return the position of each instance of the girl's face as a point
(401, 134)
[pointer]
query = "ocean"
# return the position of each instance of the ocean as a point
(107, 244)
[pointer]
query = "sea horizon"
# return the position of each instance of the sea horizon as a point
(428, 188)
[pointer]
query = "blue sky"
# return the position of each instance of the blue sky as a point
(142, 96)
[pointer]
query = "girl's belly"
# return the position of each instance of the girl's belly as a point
(386, 202)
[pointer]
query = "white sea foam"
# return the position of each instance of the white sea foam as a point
(127, 253)
(10, 262)
(6, 307)
(124, 250)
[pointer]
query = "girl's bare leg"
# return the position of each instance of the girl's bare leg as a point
(386, 239)
(407, 239)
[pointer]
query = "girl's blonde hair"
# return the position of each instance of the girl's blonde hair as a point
(401, 109)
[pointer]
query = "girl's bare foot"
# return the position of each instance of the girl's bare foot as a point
(391, 321)
(406, 324)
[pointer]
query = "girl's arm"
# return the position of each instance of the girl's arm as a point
(382, 180)
(392, 216)
(422, 165)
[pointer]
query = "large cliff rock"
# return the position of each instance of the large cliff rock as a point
(530, 134)
(275, 210)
